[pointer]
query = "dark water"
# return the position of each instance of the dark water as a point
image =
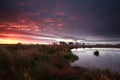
(109, 58)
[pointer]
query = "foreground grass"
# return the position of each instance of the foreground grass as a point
(44, 62)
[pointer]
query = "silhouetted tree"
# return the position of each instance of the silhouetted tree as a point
(62, 43)
(71, 43)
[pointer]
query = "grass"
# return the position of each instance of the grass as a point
(45, 62)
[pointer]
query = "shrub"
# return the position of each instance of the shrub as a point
(70, 57)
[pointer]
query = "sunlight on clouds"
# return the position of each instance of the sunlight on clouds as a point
(31, 26)
(54, 39)
(65, 40)
(79, 40)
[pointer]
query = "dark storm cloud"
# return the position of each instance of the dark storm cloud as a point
(97, 17)
(8, 10)
(110, 16)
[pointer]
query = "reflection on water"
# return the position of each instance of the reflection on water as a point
(109, 58)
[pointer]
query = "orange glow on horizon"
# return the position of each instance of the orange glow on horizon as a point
(9, 41)
(23, 41)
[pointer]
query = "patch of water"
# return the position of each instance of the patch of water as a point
(109, 58)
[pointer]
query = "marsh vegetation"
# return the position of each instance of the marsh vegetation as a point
(45, 62)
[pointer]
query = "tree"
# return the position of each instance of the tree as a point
(62, 43)
(71, 43)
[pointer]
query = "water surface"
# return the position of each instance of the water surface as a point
(109, 58)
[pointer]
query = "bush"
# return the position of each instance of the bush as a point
(70, 57)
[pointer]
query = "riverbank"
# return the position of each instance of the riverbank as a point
(45, 62)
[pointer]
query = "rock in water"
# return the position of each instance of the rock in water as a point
(96, 53)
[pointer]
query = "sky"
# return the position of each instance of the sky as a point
(46, 21)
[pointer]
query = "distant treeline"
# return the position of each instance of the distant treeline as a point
(83, 45)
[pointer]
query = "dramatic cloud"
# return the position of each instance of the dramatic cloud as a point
(54, 20)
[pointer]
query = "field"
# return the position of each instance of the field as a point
(45, 62)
